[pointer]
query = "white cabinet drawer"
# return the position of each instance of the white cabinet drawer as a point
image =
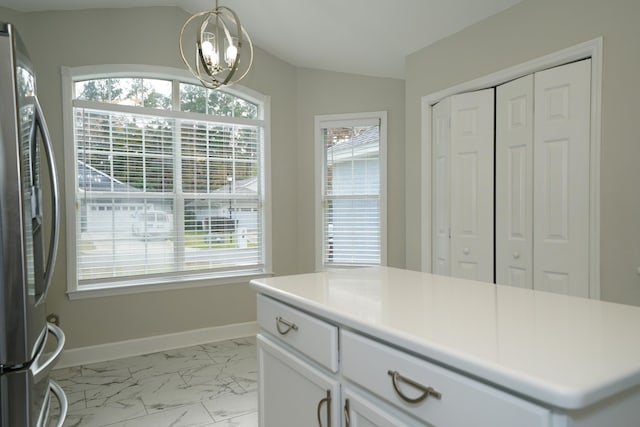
(317, 339)
(361, 411)
(462, 401)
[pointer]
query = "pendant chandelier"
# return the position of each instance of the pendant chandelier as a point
(223, 50)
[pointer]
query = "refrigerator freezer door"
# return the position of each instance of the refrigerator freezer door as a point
(25, 394)
(23, 402)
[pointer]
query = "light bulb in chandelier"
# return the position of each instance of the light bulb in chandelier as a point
(231, 54)
(223, 49)
(208, 50)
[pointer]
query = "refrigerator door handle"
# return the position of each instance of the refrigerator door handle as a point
(58, 392)
(43, 283)
(41, 368)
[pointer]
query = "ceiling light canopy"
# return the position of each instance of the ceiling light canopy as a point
(223, 49)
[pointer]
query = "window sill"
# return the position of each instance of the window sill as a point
(173, 283)
(343, 267)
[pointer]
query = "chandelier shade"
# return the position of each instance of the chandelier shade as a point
(223, 49)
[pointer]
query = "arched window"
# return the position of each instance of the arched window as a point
(169, 179)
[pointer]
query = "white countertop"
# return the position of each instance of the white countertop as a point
(564, 351)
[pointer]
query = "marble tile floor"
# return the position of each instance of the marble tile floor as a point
(205, 385)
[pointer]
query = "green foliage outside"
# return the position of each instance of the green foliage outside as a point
(138, 150)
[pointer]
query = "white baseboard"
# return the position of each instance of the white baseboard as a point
(146, 345)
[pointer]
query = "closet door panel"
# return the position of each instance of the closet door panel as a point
(561, 171)
(514, 183)
(472, 192)
(441, 186)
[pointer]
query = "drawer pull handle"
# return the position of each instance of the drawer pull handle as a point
(347, 418)
(426, 391)
(289, 326)
(326, 400)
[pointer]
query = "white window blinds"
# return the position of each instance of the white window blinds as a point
(351, 193)
(162, 194)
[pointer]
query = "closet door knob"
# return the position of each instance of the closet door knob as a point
(516, 255)
(466, 251)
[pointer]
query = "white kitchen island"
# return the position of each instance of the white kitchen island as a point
(388, 347)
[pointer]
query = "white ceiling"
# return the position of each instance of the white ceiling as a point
(370, 37)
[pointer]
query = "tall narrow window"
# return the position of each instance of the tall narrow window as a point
(351, 195)
(169, 182)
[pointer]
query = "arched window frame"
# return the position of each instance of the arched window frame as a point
(81, 287)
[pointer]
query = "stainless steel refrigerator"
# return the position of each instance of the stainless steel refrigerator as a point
(28, 244)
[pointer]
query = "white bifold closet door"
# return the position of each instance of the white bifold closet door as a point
(542, 180)
(471, 185)
(541, 212)
(441, 187)
(514, 183)
(561, 171)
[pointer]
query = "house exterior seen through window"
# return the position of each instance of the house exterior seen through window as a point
(169, 181)
(351, 195)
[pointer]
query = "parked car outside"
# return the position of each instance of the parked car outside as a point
(151, 224)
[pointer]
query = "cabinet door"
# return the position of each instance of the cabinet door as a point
(359, 411)
(293, 393)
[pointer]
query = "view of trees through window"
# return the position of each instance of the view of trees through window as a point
(162, 192)
(128, 132)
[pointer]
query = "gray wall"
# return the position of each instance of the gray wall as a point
(9, 15)
(526, 31)
(321, 92)
(150, 36)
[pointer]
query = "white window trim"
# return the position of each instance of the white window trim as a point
(334, 120)
(69, 75)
